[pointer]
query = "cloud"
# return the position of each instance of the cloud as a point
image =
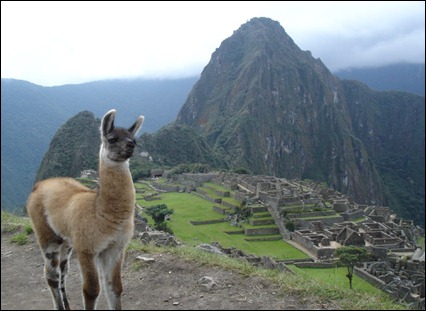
(374, 50)
(52, 43)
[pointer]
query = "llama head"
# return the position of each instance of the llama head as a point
(118, 143)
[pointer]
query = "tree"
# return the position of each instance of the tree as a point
(241, 170)
(350, 256)
(158, 214)
(290, 225)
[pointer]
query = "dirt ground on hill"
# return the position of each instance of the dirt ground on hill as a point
(164, 284)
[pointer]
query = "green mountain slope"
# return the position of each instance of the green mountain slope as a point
(176, 144)
(74, 147)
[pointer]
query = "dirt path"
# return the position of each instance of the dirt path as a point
(167, 283)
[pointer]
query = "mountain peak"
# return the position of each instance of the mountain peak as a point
(257, 36)
(267, 106)
(264, 28)
(73, 148)
(259, 55)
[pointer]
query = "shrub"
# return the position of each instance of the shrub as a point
(20, 238)
(290, 225)
(159, 213)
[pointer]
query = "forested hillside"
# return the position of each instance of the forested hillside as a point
(398, 77)
(31, 115)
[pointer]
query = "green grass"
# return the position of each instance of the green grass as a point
(231, 201)
(20, 238)
(189, 207)
(360, 219)
(143, 189)
(338, 277)
(217, 187)
(210, 193)
(248, 226)
(11, 222)
(421, 242)
(20, 226)
(142, 186)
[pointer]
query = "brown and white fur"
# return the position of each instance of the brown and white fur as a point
(96, 224)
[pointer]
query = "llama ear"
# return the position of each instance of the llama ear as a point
(107, 124)
(136, 126)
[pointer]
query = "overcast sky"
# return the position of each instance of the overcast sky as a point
(56, 43)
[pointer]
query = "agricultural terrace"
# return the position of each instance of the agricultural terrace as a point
(190, 207)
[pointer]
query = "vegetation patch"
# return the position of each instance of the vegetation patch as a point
(11, 222)
(337, 276)
(20, 238)
(19, 226)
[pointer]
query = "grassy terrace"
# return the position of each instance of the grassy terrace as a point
(317, 217)
(210, 193)
(214, 186)
(296, 207)
(143, 189)
(231, 200)
(88, 182)
(188, 207)
(338, 277)
(248, 226)
(217, 187)
(261, 215)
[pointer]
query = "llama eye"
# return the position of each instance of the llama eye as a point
(112, 140)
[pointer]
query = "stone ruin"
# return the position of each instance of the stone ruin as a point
(326, 220)
(341, 222)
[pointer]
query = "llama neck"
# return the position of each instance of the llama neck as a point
(116, 190)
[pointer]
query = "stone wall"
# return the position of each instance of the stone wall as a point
(279, 221)
(309, 244)
(257, 222)
(222, 193)
(360, 272)
(207, 197)
(171, 187)
(229, 205)
(352, 214)
(260, 231)
(311, 214)
(240, 196)
(165, 187)
(304, 223)
(206, 222)
(319, 264)
(219, 209)
(195, 179)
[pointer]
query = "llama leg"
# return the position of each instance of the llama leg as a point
(50, 245)
(91, 287)
(111, 277)
(53, 275)
(64, 266)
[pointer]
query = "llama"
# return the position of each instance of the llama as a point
(96, 224)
